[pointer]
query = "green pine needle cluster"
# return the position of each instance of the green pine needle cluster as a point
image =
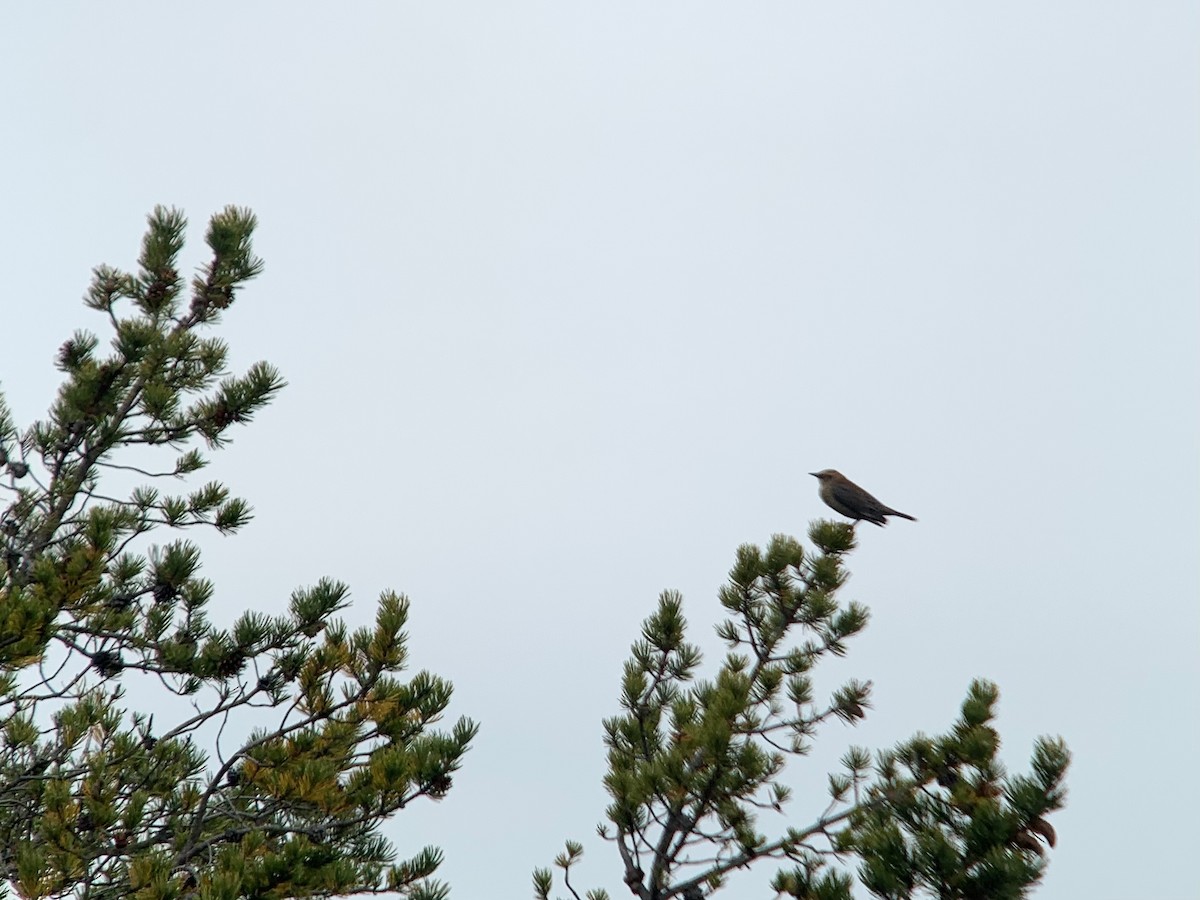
(99, 799)
(694, 765)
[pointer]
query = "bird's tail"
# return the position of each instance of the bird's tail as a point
(896, 512)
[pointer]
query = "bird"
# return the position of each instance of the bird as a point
(844, 496)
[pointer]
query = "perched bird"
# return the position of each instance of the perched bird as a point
(844, 496)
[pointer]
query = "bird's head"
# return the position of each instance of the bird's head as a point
(826, 474)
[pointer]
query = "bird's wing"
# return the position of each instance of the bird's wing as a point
(854, 497)
(858, 503)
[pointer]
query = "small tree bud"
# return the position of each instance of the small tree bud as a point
(1045, 829)
(1026, 841)
(107, 663)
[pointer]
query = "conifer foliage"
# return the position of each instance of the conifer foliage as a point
(277, 745)
(696, 767)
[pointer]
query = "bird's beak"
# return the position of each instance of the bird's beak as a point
(814, 474)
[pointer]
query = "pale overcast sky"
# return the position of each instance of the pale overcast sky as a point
(571, 297)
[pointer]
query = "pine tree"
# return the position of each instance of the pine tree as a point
(696, 766)
(99, 799)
